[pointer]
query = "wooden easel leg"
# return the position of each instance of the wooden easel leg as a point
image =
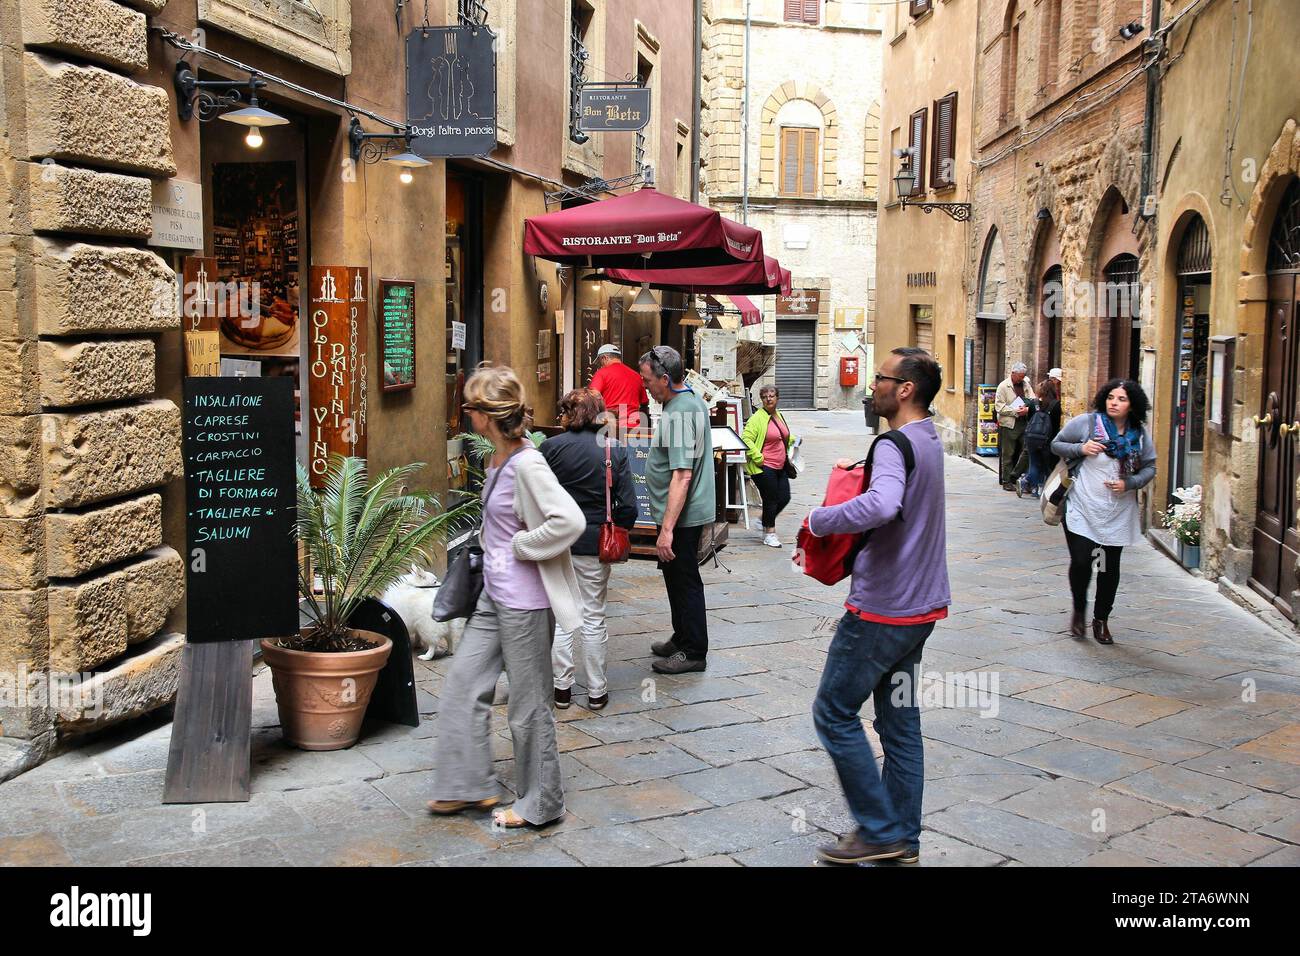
(210, 754)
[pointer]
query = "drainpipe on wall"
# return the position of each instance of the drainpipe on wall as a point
(1152, 105)
(695, 101)
(744, 130)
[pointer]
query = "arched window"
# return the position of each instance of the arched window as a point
(799, 128)
(1284, 241)
(1010, 59)
(1121, 302)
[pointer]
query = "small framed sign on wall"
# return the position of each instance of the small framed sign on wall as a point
(1218, 403)
(397, 334)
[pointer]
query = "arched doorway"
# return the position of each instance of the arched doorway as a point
(991, 314)
(1050, 311)
(1187, 437)
(1276, 545)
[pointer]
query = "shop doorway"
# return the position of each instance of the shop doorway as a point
(464, 265)
(796, 362)
(1051, 307)
(1276, 545)
(991, 345)
(256, 228)
(1187, 440)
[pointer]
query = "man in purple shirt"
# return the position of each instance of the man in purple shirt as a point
(899, 590)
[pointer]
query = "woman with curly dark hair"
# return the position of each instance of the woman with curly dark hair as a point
(1110, 455)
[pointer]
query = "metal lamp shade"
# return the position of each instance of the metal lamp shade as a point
(408, 160)
(254, 116)
(644, 301)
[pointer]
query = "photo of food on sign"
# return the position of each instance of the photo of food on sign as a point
(255, 240)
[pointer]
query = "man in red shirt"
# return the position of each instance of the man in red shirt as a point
(620, 386)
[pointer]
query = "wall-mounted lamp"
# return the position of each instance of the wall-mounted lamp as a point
(645, 300)
(372, 147)
(1129, 30)
(905, 182)
(210, 98)
(1042, 214)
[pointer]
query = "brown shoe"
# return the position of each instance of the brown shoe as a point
(1101, 632)
(852, 849)
(1076, 624)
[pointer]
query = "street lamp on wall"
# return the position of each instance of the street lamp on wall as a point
(209, 98)
(905, 183)
(372, 147)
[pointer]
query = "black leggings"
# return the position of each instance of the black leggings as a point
(1084, 553)
(773, 486)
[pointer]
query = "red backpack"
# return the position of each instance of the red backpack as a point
(830, 559)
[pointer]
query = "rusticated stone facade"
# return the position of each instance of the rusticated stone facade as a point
(87, 582)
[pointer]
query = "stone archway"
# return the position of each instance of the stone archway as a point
(799, 90)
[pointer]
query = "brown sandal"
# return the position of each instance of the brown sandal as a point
(447, 807)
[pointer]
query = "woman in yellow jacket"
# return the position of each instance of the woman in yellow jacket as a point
(768, 439)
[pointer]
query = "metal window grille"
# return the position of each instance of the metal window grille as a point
(471, 13)
(577, 71)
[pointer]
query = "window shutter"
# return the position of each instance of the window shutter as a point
(916, 141)
(808, 183)
(919, 7)
(812, 11)
(789, 161)
(794, 11)
(944, 150)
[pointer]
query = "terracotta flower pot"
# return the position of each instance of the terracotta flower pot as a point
(322, 697)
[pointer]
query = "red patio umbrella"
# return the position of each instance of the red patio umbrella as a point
(620, 232)
(750, 314)
(739, 278)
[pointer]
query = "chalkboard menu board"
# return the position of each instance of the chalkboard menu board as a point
(638, 453)
(397, 334)
(240, 504)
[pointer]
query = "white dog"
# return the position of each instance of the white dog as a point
(412, 598)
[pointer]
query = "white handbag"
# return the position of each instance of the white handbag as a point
(1055, 489)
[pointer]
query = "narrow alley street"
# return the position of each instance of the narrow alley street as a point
(1178, 745)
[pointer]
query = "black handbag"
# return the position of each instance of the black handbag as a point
(459, 592)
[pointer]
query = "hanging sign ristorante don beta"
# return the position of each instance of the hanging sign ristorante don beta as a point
(605, 109)
(336, 365)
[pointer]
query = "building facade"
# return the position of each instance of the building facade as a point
(791, 130)
(1225, 270)
(1060, 252)
(928, 70)
(92, 521)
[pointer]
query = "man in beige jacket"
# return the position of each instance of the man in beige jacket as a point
(1011, 403)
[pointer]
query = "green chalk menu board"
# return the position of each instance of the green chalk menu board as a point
(397, 334)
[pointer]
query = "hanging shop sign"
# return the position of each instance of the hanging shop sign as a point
(397, 334)
(177, 214)
(451, 91)
(613, 107)
(336, 370)
(240, 503)
(803, 303)
(201, 324)
(987, 441)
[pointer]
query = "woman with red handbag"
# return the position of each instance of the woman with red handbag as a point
(595, 472)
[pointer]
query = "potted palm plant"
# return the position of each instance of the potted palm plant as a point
(356, 537)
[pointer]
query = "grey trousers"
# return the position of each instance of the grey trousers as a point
(521, 640)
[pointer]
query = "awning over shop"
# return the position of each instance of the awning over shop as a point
(740, 278)
(641, 229)
(750, 314)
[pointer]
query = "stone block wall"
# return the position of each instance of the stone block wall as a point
(87, 583)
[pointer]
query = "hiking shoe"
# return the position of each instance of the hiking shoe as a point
(679, 663)
(852, 849)
(563, 697)
(664, 648)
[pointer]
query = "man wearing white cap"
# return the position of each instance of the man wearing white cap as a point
(1011, 403)
(620, 386)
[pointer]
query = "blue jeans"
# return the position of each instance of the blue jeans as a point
(866, 659)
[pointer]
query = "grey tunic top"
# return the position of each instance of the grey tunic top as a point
(1092, 509)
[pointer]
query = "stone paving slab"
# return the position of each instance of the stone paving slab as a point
(1184, 734)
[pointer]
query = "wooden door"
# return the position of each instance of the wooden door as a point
(1276, 544)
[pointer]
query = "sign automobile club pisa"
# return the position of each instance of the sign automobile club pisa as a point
(451, 91)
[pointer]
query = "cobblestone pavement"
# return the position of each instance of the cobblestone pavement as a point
(1178, 745)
